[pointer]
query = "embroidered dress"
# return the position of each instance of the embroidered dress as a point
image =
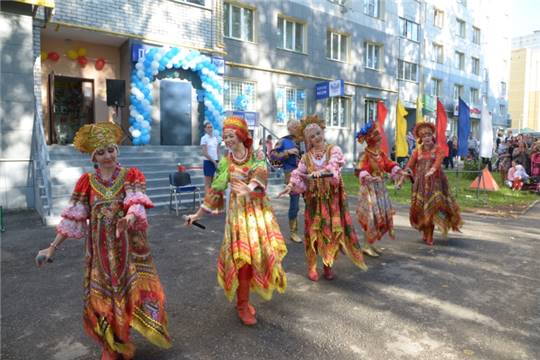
(252, 235)
(431, 201)
(375, 212)
(328, 225)
(122, 287)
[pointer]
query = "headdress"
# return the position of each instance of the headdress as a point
(307, 124)
(91, 137)
(421, 128)
(368, 133)
(240, 128)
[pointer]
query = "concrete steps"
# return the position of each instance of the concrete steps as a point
(156, 162)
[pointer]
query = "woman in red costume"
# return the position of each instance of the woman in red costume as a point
(374, 210)
(122, 287)
(431, 201)
(253, 247)
(328, 226)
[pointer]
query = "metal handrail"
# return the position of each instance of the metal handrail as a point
(266, 131)
(41, 163)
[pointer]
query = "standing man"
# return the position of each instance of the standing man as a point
(287, 153)
(209, 145)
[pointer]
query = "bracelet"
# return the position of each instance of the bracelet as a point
(53, 246)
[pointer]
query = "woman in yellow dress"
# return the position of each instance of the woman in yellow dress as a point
(122, 287)
(253, 247)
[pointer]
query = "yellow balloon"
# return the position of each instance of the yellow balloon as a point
(44, 55)
(81, 51)
(72, 54)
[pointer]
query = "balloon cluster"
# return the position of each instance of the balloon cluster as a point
(159, 59)
(79, 55)
(53, 56)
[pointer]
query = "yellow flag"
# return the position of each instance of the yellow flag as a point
(402, 149)
(419, 115)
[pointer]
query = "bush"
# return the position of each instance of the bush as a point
(471, 165)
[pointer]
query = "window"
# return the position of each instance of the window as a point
(338, 2)
(196, 2)
(460, 60)
(436, 85)
(238, 22)
(438, 18)
(234, 88)
(336, 46)
(338, 112)
(462, 2)
(291, 35)
(475, 65)
(475, 96)
(502, 109)
(373, 55)
(476, 35)
(408, 29)
(370, 110)
(291, 102)
(503, 89)
(371, 8)
(407, 70)
(458, 91)
(460, 28)
(438, 55)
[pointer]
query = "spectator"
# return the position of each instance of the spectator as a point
(209, 145)
(521, 153)
(516, 176)
(472, 145)
(504, 158)
(452, 150)
(269, 145)
(411, 142)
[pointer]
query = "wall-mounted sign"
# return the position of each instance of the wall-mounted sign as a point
(220, 64)
(328, 89)
(251, 117)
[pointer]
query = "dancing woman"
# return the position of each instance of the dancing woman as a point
(374, 211)
(122, 287)
(328, 226)
(431, 201)
(253, 247)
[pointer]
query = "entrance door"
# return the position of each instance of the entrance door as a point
(71, 105)
(175, 110)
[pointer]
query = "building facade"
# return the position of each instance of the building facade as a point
(524, 92)
(66, 63)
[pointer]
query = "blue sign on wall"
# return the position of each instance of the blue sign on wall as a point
(328, 89)
(322, 90)
(251, 117)
(220, 64)
(138, 50)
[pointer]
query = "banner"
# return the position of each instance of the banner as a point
(442, 121)
(464, 128)
(381, 117)
(486, 133)
(419, 112)
(402, 148)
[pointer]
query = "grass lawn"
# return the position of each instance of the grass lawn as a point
(503, 200)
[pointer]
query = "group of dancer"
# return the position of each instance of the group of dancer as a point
(108, 208)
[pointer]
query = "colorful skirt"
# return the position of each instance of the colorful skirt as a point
(375, 212)
(252, 237)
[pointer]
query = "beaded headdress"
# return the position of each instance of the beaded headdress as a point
(308, 124)
(368, 133)
(91, 137)
(240, 128)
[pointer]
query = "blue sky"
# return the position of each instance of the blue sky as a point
(525, 17)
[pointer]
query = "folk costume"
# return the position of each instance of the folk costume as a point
(375, 212)
(328, 227)
(431, 201)
(122, 287)
(253, 248)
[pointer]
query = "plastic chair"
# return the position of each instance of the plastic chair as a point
(180, 183)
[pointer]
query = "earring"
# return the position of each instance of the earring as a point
(95, 166)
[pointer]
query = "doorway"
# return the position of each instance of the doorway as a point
(71, 105)
(175, 111)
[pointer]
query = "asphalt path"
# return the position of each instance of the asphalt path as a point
(474, 295)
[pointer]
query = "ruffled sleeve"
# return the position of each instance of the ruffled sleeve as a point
(298, 177)
(259, 174)
(335, 163)
(136, 201)
(74, 223)
(214, 198)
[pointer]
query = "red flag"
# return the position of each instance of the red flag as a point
(441, 127)
(381, 117)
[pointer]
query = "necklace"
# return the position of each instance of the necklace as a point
(318, 154)
(242, 157)
(107, 182)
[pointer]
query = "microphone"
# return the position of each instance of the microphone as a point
(196, 223)
(323, 175)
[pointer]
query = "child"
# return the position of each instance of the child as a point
(516, 176)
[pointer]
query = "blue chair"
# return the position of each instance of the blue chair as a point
(180, 183)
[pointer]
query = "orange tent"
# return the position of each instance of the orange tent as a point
(487, 182)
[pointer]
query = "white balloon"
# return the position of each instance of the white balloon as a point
(169, 65)
(140, 74)
(145, 125)
(136, 133)
(154, 64)
(139, 118)
(146, 81)
(139, 66)
(184, 66)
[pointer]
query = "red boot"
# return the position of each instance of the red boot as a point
(328, 273)
(246, 312)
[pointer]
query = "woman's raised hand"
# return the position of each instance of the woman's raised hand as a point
(45, 256)
(285, 191)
